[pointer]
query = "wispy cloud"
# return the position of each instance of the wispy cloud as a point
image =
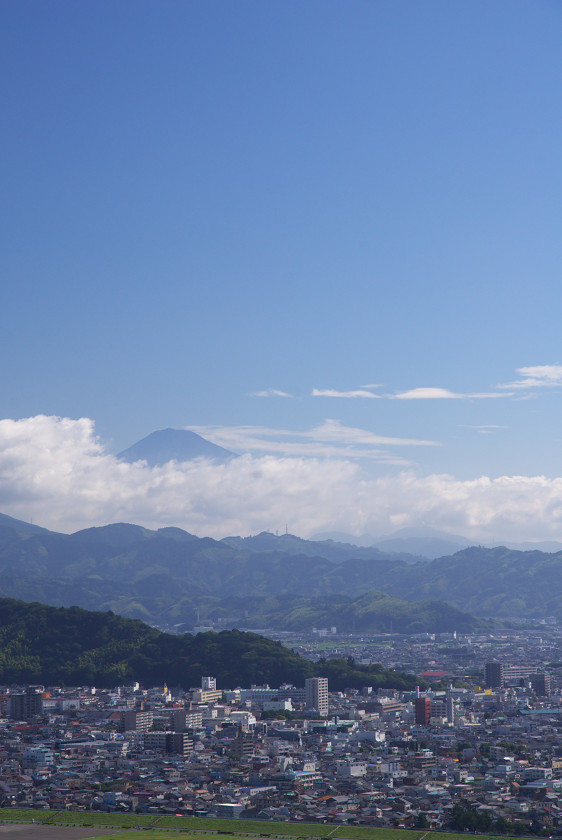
(56, 471)
(483, 428)
(360, 393)
(328, 440)
(271, 392)
(537, 376)
(424, 393)
(441, 394)
(531, 378)
(335, 431)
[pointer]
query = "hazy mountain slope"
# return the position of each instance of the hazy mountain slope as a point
(419, 541)
(331, 550)
(166, 445)
(485, 581)
(129, 554)
(17, 526)
(171, 574)
(372, 612)
(423, 541)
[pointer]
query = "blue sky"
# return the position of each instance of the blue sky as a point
(356, 205)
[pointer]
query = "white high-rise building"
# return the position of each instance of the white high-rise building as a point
(209, 683)
(450, 703)
(316, 695)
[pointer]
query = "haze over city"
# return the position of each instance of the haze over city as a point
(324, 236)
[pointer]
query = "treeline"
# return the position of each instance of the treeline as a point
(72, 646)
(480, 822)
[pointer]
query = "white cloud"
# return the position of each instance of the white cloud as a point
(427, 394)
(360, 393)
(271, 392)
(56, 471)
(440, 394)
(484, 428)
(329, 439)
(333, 430)
(537, 376)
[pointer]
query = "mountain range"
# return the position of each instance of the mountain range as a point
(423, 541)
(170, 577)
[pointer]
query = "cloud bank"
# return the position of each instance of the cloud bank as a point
(56, 472)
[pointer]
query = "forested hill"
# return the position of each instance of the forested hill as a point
(71, 646)
(169, 576)
(373, 612)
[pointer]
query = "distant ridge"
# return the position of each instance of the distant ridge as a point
(165, 445)
(420, 541)
(170, 577)
(424, 541)
(21, 527)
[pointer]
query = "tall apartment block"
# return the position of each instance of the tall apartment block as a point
(494, 675)
(136, 720)
(540, 684)
(316, 695)
(27, 705)
(422, 710)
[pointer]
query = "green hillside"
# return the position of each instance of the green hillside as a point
(485, 581)
(59, 646)
(372, 612)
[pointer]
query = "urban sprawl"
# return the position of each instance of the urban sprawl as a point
(484, 745)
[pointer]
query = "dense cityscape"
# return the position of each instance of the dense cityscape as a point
(480, 750)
